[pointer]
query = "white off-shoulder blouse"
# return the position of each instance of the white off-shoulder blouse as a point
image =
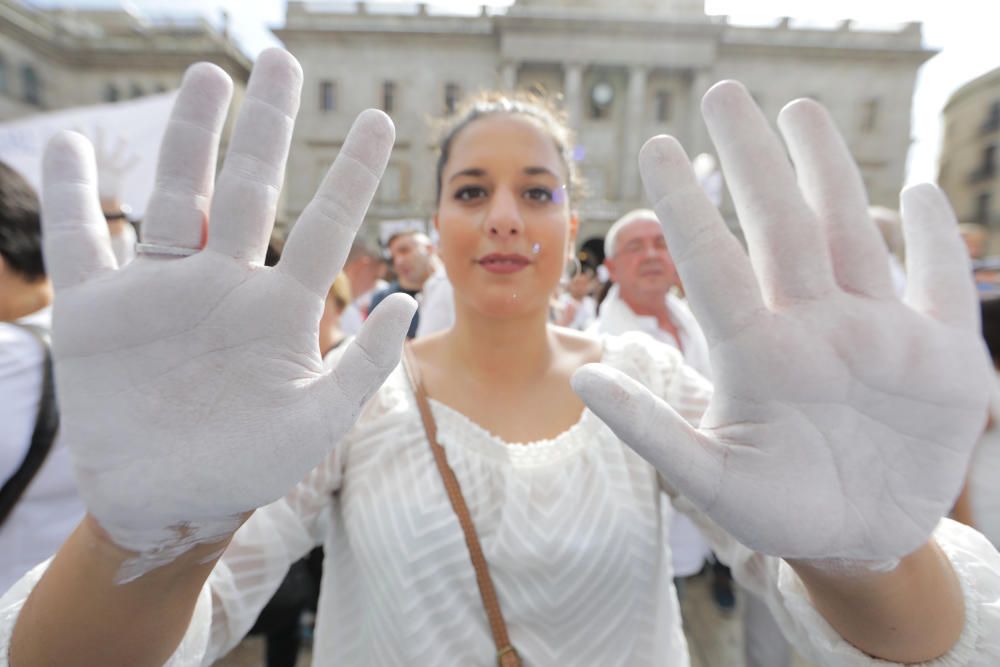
(571, 528)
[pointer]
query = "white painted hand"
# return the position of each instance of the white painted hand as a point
(191, 388)
(113, 165)
(843, 418)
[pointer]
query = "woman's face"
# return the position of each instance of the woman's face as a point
(503, 218)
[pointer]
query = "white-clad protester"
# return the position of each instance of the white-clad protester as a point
(39, 504)
(364, 269)
(644, 295)
(643, 273)
(576, 307)
(645, 298)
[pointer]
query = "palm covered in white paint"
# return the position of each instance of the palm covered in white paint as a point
(191, 388)
(843, 418)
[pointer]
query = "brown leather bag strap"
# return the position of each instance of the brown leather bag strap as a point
(506, 654)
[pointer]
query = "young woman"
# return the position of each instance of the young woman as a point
(836, 437)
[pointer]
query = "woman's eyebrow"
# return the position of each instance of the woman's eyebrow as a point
(535, 171)
(474, 172)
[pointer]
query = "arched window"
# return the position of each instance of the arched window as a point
(30, 85)
(4, 86)
(111, 93)
(136, 91)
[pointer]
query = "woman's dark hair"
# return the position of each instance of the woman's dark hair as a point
(20, 226)
(542, 110)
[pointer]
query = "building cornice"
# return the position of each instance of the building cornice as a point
(985, 81)
(154, 47)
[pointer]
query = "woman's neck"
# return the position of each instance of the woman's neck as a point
(504, 351)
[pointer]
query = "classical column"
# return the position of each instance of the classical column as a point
(696, 140)
(635, 102)
(508, 76)
(572, 87)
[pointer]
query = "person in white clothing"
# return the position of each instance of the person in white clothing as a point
(644, 299)
(364, 269)
(38, 517)
(643, 273)
(562, 461)
(576, 306)
(437, 303)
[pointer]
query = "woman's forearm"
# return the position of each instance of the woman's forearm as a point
(913, 614)
(77, 615)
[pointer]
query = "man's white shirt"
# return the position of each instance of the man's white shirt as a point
(615, 317)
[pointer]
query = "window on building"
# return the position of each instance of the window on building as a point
(111, 93)
(992, 123)
(327, 96)
(389, 96)
(988, 163)
(159, 88)
(3, 75)
(135, 90)
(870, 114)
(30, 85)
(661, 106)
(602, 97)
(452, 93)
(983, 204)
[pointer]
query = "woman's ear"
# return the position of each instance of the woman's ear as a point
(437, 224)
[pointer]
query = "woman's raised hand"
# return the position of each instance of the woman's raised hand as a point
(191, 387)
(843, 418)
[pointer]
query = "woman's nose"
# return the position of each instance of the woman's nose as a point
(503, 219)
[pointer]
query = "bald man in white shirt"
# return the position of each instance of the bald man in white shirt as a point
(644, 299)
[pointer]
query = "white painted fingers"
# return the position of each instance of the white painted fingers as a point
(785, 241)
(939, 274)
(76, 240)
(319, 242)
(185, 170)
(689, 462)
(715, 270)
(831, 184)
(247, 190)
(369, 359)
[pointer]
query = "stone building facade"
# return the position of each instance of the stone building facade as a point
(969, 167)
(59, 58)
(626, 70)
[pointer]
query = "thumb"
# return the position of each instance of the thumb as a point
(689, 462)
(370, 357)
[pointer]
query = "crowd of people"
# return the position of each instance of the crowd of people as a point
(206, 434)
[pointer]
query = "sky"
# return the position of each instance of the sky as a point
(967, 33)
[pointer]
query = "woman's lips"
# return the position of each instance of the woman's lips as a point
(497, 263)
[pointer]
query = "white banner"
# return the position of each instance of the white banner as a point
(126, 133)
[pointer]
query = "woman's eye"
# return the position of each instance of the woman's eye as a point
(470, 192)
(539, 194)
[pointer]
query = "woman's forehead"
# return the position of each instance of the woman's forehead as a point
(504, 140)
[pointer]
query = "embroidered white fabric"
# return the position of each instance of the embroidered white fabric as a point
(570, 527)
